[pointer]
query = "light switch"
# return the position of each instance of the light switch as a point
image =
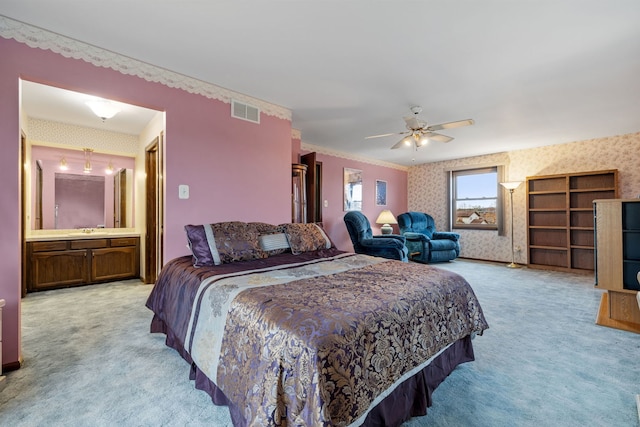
(183, 191)
(326, 203)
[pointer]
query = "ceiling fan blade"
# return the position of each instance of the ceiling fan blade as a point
(404, 142)
(414, 123)
(437, 137)
(384, 134)
(451, 125)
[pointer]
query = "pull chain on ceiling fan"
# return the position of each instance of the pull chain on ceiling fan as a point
(418, 133)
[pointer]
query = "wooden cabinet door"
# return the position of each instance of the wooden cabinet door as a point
(58, 268)
(609, 245)
(114, 263)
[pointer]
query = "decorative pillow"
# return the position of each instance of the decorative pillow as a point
(274, 243)
(306, 237)
(223, 242)
(265, 228)
(271, 239)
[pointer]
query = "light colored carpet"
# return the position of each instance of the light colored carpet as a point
(89, 360)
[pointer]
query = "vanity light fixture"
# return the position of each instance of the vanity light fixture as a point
(103, 108)
(87, 159)
(63, 164)
(109, 169)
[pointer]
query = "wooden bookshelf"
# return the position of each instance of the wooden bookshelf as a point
(560, 224)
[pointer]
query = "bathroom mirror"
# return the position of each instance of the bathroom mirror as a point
(72, 189)
(352, 189)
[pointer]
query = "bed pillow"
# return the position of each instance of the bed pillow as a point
(272, 240)
(223, 242)
(306, 237)
(274, 244)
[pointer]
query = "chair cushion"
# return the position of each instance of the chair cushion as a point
(442, 245)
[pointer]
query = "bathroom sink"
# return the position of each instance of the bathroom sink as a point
(90, 234)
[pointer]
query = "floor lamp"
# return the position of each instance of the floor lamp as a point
(512, 185)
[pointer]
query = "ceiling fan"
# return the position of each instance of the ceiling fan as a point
(418, 133)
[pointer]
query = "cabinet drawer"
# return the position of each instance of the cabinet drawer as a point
(48, 246)
(89, 244)
(124, 241)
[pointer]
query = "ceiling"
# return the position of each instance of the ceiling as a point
(59, 105)
(529, 72)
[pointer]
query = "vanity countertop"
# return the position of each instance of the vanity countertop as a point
(43, 235)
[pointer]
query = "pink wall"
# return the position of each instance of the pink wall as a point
(235, 169)
(332, 192)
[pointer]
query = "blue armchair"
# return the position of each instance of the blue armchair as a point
(425, 244)
(389, 246)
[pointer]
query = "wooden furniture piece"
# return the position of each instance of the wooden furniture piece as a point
(560, 218)
(62, 263)
(2, 378)
(618, 262)
(313, 187)
(298, 193)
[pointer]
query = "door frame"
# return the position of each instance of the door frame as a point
(153, 162)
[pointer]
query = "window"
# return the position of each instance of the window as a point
(474, 198)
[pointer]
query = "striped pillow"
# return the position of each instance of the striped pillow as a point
(274, 243)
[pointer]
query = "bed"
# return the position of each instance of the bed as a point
(287, 330)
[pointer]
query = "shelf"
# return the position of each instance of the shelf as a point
(551, 248)
(560, 220)
(586, 190)
(533, 193)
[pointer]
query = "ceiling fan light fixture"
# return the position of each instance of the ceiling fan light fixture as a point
(103, 108)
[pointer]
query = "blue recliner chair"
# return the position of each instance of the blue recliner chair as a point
(425, 244)
(389, 246)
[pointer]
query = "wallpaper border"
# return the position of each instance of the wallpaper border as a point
(70, 48)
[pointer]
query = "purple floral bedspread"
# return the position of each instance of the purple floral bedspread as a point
(314, 341)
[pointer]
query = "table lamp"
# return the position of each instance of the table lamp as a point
(386, 218)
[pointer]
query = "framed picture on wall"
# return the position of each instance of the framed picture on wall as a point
(381, 193)
(352, 189)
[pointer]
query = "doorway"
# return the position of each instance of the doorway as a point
(69, 107)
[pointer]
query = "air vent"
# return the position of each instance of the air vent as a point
(243, 111)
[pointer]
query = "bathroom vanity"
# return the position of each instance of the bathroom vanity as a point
(80, 259)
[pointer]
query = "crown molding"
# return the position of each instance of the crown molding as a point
(343, 155)
(296, 134)
(70, 48)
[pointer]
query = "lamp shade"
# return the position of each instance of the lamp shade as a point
(511, 185)
(386, 217)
